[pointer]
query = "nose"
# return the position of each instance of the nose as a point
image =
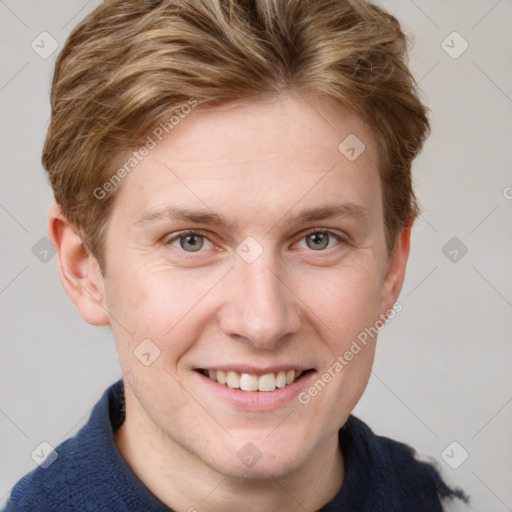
(260, 308)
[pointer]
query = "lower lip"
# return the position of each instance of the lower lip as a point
(257, 400)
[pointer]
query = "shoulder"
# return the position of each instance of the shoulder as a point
(397, 476)
(38, 491)
(65, 479)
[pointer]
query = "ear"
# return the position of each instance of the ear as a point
(79, 270)
(397, 262)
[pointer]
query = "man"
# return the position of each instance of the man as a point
(233, 197)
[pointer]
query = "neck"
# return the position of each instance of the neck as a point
(187, 483)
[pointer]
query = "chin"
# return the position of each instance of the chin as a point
(258, 457)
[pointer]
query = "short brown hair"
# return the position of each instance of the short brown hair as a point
(131, 65)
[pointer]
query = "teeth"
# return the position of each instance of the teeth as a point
(251, 382)
(281, 379)
(248, 382)
(233, 380)
(267, 382)
(221, 377)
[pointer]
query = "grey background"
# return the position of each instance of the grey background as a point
(443, 370)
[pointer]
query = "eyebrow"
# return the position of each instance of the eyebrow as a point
(201, 216)
(196, 216)
(329, 211)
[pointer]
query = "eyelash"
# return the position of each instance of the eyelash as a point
(199, 233)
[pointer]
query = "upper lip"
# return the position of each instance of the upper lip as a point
(244, 368)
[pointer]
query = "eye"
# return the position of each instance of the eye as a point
(320, 240)
(189, 241)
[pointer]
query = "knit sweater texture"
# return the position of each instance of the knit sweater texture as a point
(89, 473)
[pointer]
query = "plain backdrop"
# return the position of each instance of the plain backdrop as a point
(442, 379)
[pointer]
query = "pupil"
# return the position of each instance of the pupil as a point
(319, 241)
(191, 242)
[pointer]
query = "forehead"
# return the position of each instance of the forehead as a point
(255, 156)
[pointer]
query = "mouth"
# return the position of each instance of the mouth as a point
(265, 382)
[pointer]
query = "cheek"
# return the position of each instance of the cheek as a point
(346, 303)
(157, 302)
(345, 299)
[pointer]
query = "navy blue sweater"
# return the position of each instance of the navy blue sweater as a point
(89, 473)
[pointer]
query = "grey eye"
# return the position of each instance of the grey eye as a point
(317, 241)
(191, 243)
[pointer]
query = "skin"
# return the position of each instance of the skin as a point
(258, 165)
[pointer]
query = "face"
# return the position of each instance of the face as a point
(247, 247)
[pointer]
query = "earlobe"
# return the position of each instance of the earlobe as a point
(395, 274)
(79, 271)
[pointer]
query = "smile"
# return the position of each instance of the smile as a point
(252, 382)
